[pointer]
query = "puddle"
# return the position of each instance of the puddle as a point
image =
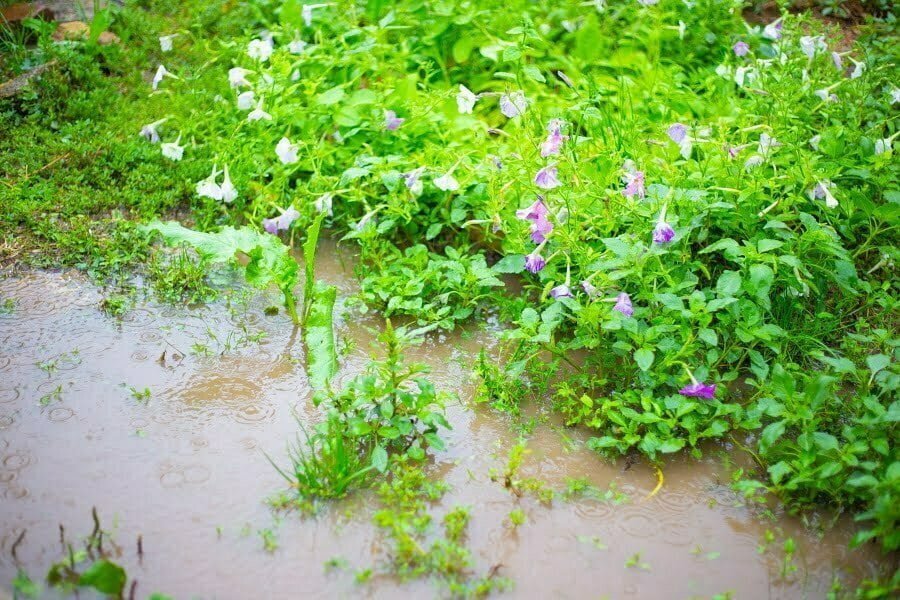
(187, 472)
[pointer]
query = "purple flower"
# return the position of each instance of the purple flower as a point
(772, 31)
(634, 184)
(546, 178)
(741, 48)
(413, 181)
(513, 105)
(540, 224)
(561, 291)
(663, 233)
(281, 222)
(391, 121)
(623, 304)
(534, 262)
(540, 229)
(699, 390)
(677, 132)
(589, 288)
(536, 211)
(554, 140)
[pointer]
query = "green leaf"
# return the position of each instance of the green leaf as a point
(825, 441)
(332, 96)
(321, 356)
(671, 445)
(778, 471)
(862, 481)
(729, 284)
(513, 263)
(433, 230)
(767, 244)
(269, 261)
(309, 261)
(878, 362)
(462, 48)
(644, 358)
(104, 576)
(380, 459)
(533, 73)
(770, 435)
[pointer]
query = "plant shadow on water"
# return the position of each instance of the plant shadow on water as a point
(186, 471)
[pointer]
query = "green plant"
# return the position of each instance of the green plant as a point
(391, 408)
(327, 463)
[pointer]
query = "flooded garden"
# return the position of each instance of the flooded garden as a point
(449, 299)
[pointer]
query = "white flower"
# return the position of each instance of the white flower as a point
(172, 150)
(814, 142)
(307, 12)
(825, 95)
(447, 182)
(766, 143)
(158, 77)
(245, 100)
(883, 145)
(895, 96)
(823, 190)
(238, 77)
(259, 50)
(208, 188)
(229, 192)
(324, 203)
(753, 161)
(286, 151)
(258, 113)
(682, 29)
(772, 31)
(465, 100)
(812, 45)
(150, 131)
(858, 69)
(513, 105)
(723, 71)
(744, 74)
(837, 60)
(297, 47)
(648, 2)
(600, 5)
(165, 42)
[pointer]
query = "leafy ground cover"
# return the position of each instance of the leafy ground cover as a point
(697, 213)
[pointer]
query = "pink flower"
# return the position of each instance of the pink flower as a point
(634, 184)
(741, 48)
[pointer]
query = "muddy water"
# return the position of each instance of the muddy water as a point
(186, 469)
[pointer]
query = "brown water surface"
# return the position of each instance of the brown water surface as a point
(187, 470)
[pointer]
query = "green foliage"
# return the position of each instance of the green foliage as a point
(321, 355)
(325, 464)
(404, 517)
(427, 286)
(391, 407)
(177, 278)
(817, 446)
(264, 258)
